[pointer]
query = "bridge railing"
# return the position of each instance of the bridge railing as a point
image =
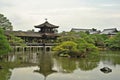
(41, 44)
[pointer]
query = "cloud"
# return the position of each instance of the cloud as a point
(65, 13)
(109, 5)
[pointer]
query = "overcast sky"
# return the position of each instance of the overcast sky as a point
(99, 14)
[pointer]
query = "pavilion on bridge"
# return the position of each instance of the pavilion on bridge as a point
(46, 34)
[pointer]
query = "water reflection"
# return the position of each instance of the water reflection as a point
(110, 57)
(49, 66)
(26, 57)
(45, 64)
(89, 63)
(66, 65)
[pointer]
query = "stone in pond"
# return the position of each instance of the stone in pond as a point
(106, 70)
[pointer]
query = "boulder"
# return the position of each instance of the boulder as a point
(106, 70)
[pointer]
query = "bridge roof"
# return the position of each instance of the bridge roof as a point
(23, 34)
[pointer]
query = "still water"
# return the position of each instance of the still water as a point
(43, 66)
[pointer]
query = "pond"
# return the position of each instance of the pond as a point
(43, 66)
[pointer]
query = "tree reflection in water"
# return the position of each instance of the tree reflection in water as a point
(49, 65)
(85, 64)
(45, 64)
(110, 57)
(89, 63)
(68, 65)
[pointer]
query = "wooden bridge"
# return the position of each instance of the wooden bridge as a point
(41, 44)
(35, 47)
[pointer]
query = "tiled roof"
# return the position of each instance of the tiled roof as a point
(46, 24)
(109, 31)
(21, 33)
(91, 31)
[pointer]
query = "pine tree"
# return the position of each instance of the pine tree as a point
(5, 23)
(4, 45)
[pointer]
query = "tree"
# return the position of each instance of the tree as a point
(65, 38)
(85, 36)
(16, 41)
(4, 45)
(65, 47)
(99, 39)
(76, 44)
(84, 47)
(5, 23)
(114, 42)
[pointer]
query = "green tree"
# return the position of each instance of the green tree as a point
(84, 47)
(16, 41)
(84, 36)
(73, 36)
(114, 42)
(65, 47)
(4, 45)
(99, 39)
(65, 38)
(5, 23)
(76, 44)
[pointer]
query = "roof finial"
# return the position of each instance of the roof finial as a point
(46, 19)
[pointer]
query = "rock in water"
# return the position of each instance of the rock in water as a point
(106, 70)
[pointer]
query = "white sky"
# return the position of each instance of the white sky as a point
(99, 14)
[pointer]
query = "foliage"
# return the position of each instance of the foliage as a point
(65, 38)
(114, 42)
(87, 48)
(75, 43)
(5, 23)
(4, 45)
(99, 39)
(65, 47)
(89, 43)
(16, 41)
(73, 36)
(86, 37)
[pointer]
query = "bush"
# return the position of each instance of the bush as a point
(65, 47)
(114, 42)
(4, 45)
(76, 44)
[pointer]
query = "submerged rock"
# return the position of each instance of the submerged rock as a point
(106, 70)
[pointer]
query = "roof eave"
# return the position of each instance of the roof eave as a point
(43, 26)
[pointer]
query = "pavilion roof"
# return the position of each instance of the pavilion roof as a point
(46, 24)
(23, 34)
